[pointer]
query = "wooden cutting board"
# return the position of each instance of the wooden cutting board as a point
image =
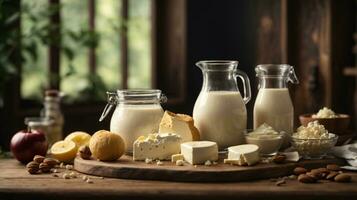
(126, 168)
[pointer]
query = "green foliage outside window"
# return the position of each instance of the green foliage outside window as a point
(75, 40)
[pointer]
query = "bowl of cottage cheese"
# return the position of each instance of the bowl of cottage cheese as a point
(266, 138)
(333, 122)
(313, 141)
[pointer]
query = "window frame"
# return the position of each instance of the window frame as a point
(54, 58)
(168, 28)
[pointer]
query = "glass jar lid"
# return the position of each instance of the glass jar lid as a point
(144, 96)
(277, 71)
(133, 97)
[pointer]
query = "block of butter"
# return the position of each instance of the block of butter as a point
(198, 152)
(156, 146)
(180, 124)
(245, 154)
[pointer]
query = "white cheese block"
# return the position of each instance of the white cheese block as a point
(156, 146)
(246, 154)
(180, 124)
(198, 152)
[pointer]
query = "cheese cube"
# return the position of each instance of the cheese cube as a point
(176, 157)
(198, 152)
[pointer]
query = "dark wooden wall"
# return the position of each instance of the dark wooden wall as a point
(315, 36)
(220, 30)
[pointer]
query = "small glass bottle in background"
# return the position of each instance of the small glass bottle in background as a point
(52, 111)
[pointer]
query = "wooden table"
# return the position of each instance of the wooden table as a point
(16, 183)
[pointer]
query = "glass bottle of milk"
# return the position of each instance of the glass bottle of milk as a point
(52, 113)
(137, 112)
(273, 104)
(219, 112)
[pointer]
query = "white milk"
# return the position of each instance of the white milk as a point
(274, 107)
(221, 116)
(132, 121)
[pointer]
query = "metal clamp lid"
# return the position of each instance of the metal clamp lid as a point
(112, 101)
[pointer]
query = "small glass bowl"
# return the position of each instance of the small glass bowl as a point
(314, 148)
(268, 146)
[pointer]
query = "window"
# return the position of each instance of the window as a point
(104, 45)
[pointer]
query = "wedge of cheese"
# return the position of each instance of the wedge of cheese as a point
(246, 154)
(156, 146)
(198, 152)
(180, 124)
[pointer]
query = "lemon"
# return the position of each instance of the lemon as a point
(64, 150)
(80, 138)
(106, 146)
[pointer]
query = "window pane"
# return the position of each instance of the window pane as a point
(34, 70)
(74, 18)
(139, 36)
(108, 52)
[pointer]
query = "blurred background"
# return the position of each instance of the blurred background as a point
(87, 47)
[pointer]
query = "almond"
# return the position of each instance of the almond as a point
(323, 170)
(342, 178)
(279, 158)
(306, 179)
(313, 175)
(333, 167)
(51, 162)
(44, 167)
(319, 173)
(84, 152)
(38, 158)
(331, 175)
(299, 170)
(32, 170)
(279, 183)
(32, 167)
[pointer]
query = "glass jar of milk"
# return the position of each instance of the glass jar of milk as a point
(273, 104)
(137, 112)
(219, 112)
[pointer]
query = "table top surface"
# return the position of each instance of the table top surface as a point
(17, 183)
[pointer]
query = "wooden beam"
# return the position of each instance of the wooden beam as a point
(284, 31)
(124, 16)
(169, 44)
(91, 19)
(343, 26)
(153, 19)
(271, 32)
(54, 48)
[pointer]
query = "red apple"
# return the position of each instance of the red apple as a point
(26, 144)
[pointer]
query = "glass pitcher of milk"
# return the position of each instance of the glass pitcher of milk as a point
(219, 112)
(273, 104)
(137, 112)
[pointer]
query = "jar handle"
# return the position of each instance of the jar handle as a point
(163, 98)
(246, 85)
(112, 101)
(292, 76)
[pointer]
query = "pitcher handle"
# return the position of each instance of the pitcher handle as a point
(112, 101)
(246, 85)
